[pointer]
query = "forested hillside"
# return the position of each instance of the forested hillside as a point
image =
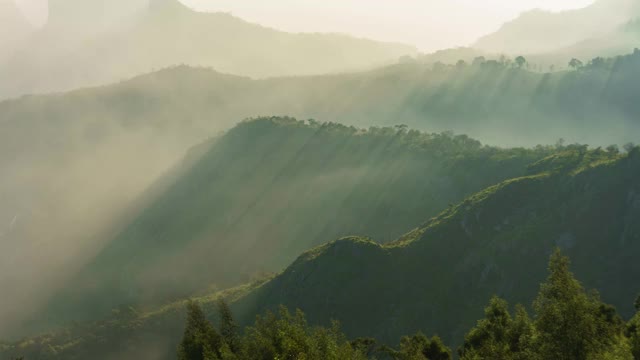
(63, 153)
(272, 188)
(438, 278)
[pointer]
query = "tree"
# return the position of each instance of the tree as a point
(461, 64)
(575, 64)
(613, 149)
(633, 331)
(439, 66)
(419, 347)
(521, 61)
(288, 336)
(200, 340)
(490, 337)
(571, 324)
(598, 62)
(479, 60)
(636, 304)
(367, 346)
(628, 147)
(228, 327)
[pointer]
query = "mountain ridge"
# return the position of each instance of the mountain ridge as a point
(381, 290)
(538, 31)
(65, 55)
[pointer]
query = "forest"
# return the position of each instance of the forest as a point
(563, 321)
(217, 180)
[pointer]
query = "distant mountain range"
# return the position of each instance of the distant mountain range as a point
(554, 38)
(81, 46)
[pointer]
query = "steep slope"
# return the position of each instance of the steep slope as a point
(272, 188)
(67, 55)
(15, 29)
(540, 31)
(437, 278)
(63, 154)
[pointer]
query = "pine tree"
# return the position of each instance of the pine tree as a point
(633, 331)
(228, 327)
(571, 324)
(419, 347)
(490, 337)
(200, 340)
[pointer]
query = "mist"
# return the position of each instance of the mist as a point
(153, 151)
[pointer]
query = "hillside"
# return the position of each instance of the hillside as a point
(62, 154)
(272, 188)
(539, 31)
(79, 48)
(438, 277)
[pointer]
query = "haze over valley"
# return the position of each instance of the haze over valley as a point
(219, 181)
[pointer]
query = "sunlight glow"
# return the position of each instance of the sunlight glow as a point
(427, 24)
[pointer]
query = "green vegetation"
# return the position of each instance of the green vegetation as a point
(272, 188)
(63, 153)
(568, 323)
(476, 249)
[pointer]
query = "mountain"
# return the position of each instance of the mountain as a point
(15, 28)
(436, 278)
(272, 188)
(539, 31)
(62, 154)
(74, 50)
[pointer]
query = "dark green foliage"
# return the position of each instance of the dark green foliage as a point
(200, 340)
(272, 188)
(228, 327)
(584, 201)
(492, 335)
(288, 336)
(571, 324)
(633, 332)
(419, 347)
(581, 201)
(366, 346)
(634, 336)
(499, 336)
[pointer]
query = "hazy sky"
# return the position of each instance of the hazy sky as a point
(428, 24)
